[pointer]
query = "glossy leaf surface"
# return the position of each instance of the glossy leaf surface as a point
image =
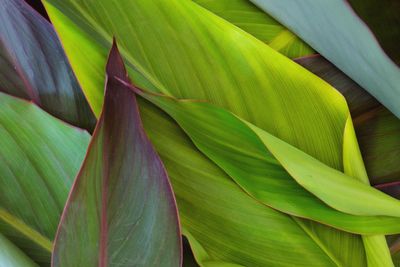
(40, 156)
(33, 65)
(333, 29)
(121, 210)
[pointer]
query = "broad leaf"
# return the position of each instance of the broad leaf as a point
(40, 156)
(316, 232)
(253, 79)
(180, 49)
(253, 20)
(33, 65)
(275, 173)
(377, 129)
(11, 256)
(333, 29)
(121, 210)
(224, 224)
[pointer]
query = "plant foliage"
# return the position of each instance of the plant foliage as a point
(213, 135)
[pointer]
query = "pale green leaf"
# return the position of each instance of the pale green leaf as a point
(12, 256)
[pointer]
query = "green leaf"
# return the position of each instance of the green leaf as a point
(333, 29)
(272, 171)
(181, 168)
(11, 256)
(223, 223)
(314, 231)
(33, 65)
(377, 129)
(40, 156)
(253, 20)
(382, 17)
(180, 49)
(121, 209)
(344, 194)
(242, 162)
(180, 52)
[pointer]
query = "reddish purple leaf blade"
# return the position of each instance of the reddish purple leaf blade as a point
(33, 65)
(121, 210)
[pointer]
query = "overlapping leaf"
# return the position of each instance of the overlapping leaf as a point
(238, 72)
(33, 65)
(272, 171)
(121, 210)
(251, 19)
(313, 230)
(178, 48)
(377, 129)
(40, 156)
(224, 224)
(333, 29)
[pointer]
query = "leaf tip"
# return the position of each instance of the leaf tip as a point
(115, 65)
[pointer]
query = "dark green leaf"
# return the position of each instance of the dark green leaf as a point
(39, 157)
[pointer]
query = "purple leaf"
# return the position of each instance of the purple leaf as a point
(33, 65)
(121, 210)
